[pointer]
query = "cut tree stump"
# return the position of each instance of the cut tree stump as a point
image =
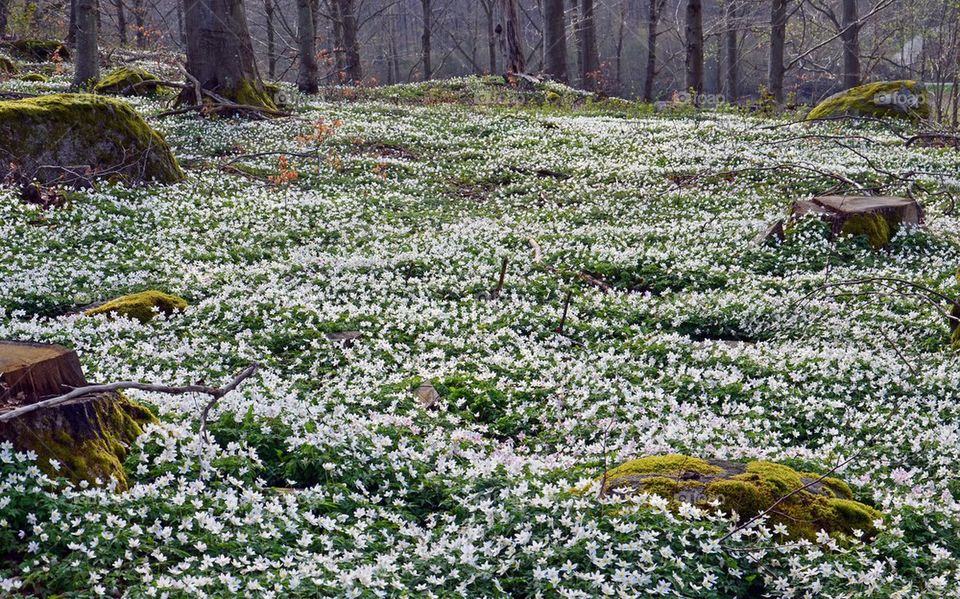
(83, 439)
(876, 217)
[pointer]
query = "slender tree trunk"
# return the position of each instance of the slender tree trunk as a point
(516, 60)
(338, 46)
(732, 47)
(588, 42)
(121, 22)
(139, 21)
(425, 40)
(271, 38)
(220, 52)
(620, 31)
(488, 8)
(351, 41)
(72, 25)
(694, 46)
(87, 62)
(4, 11)
(778, 38)
(575, 25)
(306, 44)
(180, 28)
(851, 44)
(555, 40)
(651, 72)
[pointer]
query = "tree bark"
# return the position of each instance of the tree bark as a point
(655, 7)
(338, 46)
(87, 62)
(555, 40)
(851, 43)
(121, 21)
(139, 22)
(71, 41)
(694, 46)
(425, 41)
(488, 7)
(351, 42)
(516, 60)
(268, 6)
(220, 52)
(4, 11)
(588, 42)
(778, 38)
(306, 40)
(732, 51)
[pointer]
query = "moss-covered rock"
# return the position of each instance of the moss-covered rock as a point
(143, 306)
(900, 99)
(7, 66)
(37, 77)
(37, 50)
(128, 81)
(86, 439)
(71, 139)
(810, 505)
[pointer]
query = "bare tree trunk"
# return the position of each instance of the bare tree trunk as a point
(488, 7)
(87, 62)
(338, 46)
(851, 44)
(4, 11)
(139, 22)
(180, 29)
(516, 61)
(351, 42)
(306, 44)
(121, 22)
(72, 25)
(588, 42)
(620, 31)
(425, 41)
(778, 38)
(694, 46)
(271, 38)
(651, 73)
(732, 43)
(575, 24)
(220, 52)
(555, 40)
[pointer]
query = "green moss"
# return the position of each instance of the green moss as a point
(117, 422)
(34, 77)
(880, 99)
(70, 129)
(143, 306)
(121, 81)
(805, 505)
(874, 226)
(7, 66)
(37, 50)
(673, 465)
(250, 93)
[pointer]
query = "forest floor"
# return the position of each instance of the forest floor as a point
(638, 315)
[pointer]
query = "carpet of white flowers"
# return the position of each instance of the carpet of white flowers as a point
(324, 476)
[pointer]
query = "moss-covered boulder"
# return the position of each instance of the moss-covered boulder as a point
(72, 139)
(37, 50)
(748, 489)
(143, 306)
(36, 77)
(7, 66)
(875, 217)
(128, 81)
(899, 99)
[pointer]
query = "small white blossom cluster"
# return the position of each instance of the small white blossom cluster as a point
(323, 476)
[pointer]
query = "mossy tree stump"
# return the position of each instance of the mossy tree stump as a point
(84, 439)
(876, 217)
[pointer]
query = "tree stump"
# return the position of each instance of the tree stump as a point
(84, 439)
(876, 217)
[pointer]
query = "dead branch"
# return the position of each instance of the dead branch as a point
(214, 392)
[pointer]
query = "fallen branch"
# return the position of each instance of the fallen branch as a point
(586, 278)
(215, 392)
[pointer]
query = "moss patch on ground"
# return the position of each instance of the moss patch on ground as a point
(128, 81)
(900, 99)
(806, 505)
(143, 306)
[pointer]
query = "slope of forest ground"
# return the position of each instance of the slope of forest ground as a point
(324, 476)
